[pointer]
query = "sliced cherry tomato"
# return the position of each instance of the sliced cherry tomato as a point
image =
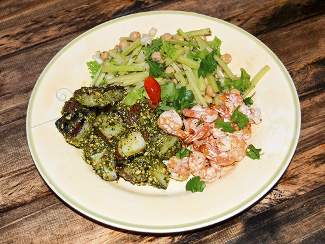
(153, 89)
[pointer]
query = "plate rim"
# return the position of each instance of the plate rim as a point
(179, 227)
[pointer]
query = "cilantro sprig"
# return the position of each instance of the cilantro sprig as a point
(175, 98)
(195, 184)
(184, 152)
(239, 118)
(253, 152)
(93, 68)
(224, 126)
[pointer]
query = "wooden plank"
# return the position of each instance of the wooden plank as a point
(307, 70)
(43, 21)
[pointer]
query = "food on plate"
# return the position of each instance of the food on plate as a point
(163, 108)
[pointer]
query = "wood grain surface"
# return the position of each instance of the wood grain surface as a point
(33, 31)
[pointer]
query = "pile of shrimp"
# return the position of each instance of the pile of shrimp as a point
(211, 148)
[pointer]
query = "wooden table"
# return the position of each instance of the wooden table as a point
(32, 32)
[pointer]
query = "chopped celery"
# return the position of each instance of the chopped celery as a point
(224, 67)
(131, 47)
(189, 62)
(183, 34)
(256, 79)
(125, 68)
(202, 32)
(212, 82)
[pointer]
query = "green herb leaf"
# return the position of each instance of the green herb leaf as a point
(154, 47)
(253, 153)
(184, 98)
(207, 65)
(180, 98)
(155, 69)
(168, 50)
(184, 152)
(164, 106)
(224, 126)
(215, 45)
(248, 101)
(169, 92)
(93, 68)
(239, 118)
(242, 84)
(195, 184)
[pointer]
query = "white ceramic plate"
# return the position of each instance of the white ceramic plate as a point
(147, 209)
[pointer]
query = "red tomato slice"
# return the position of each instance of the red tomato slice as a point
(153, 89)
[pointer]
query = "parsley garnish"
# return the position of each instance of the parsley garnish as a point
(184, 152)
(207, 65)
(155, 69)
(179, 98)
(253, 153)
(224, 126)
(168, 50)
(242, 84)
(248, 101)
(93, 68)
(195, 184)
(154, 47)
(239, 118)
(215, 45)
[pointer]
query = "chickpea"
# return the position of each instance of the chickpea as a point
(208, 99)
(104, 55)
(135, 35)
(174, 80)
(235, 91)
(156, 56)
(166, 37)
(226, 58)
(209, 91)
(123, 44)
(179, 38)
(169, 70)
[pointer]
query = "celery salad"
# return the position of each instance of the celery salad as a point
(162, 108)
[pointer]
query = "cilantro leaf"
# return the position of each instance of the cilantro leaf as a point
(215, 45)
(184, 152)
(248, 101)
(168, 50)
(184, 98)
(134, 95)
(169, 92)
(155, 69)
(164, 106)
(195, 184)
(239, 118)
(154, 47)
(180, 98)
(224, 126)
(93, 68)
(207, 65)
(253, 153)
(242, 83)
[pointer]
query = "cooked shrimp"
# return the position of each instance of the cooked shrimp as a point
(179, 168)
(232, 149)
(197, 132)
(232, 100)
(171, 122)
(206, 114)
(200, 166)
